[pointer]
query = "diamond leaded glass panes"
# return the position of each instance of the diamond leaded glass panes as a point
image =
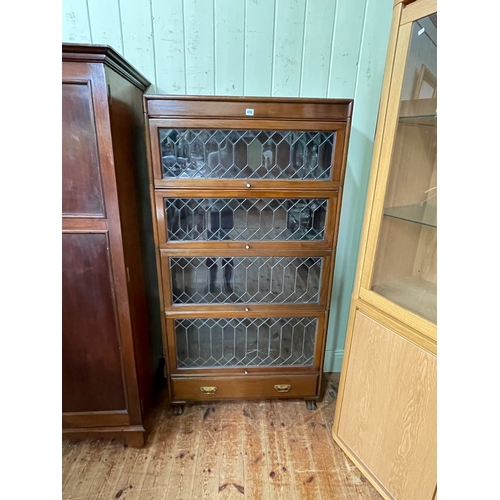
(246, 154)
(213, 219)
(205, 280)
(229, 342)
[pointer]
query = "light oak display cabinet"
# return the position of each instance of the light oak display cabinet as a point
(385, 419)
(246, 204)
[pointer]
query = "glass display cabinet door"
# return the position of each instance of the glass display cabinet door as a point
(245, 342)
(246, 154)
(243, 219)
(404, 269)
(255, 280)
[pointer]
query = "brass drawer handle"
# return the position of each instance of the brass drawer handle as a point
(208, 390)
(282, 387)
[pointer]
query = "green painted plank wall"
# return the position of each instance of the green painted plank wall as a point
(296, 48)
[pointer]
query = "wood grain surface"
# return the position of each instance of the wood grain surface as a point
(231, 450)
(401, 453)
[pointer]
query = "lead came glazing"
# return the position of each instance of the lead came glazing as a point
(273, 280)
(246, 154)
(229, 342)
(213, 219)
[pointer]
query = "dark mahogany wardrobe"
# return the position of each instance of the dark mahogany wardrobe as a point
(108, 309)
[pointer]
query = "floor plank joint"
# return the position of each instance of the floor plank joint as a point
(259, 450)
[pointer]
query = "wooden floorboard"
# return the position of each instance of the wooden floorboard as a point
(248, 450)
(255, 454)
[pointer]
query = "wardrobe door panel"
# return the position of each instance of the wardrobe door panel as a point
(82, 193)
(92, 370)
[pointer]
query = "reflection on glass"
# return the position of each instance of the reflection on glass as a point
(229, 342)
(213, 219)
(405, 269)
(422, 213)
(205, 280)
(246, 154)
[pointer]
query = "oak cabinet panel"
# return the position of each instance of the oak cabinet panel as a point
(392, 426)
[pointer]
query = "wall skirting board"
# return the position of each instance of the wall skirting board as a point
(333, 361)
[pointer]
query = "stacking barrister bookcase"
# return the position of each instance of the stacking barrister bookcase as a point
(246, 197)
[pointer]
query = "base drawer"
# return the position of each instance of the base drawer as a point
(212, 388)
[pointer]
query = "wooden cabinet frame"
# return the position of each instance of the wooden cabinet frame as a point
(340, 148)
(228, 113)
(331, 223)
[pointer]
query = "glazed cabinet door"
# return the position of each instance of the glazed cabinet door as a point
(242, 281)
(229, 154)
(240, 218)
(399, 272)
(237, 218)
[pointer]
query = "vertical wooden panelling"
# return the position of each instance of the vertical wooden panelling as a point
(288, 37)
(137, 29)
(347, 39)
(366, 102)
(106, 23)
(229, 47)
(320, 48)
(168, 29)
(199, 46)
(75, 22)
(259, 35)
(319, 22)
